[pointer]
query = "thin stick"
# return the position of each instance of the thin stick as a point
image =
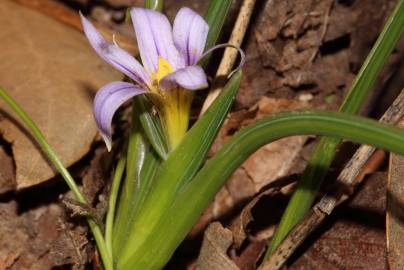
(230, 54)
(346, 181)
(323, 31)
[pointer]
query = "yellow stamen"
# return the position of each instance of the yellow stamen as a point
(163, 69)
(176, 106)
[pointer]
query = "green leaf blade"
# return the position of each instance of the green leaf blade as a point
(180, 167)
(197, 194)
(324, 152)
(151, 126)
(215, 17)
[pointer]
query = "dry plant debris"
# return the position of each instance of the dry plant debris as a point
(299, 54)
(395, 212)
(40, 70)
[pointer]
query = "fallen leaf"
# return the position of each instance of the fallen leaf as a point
(7, 180)
(354, 237)
(53, 73)
(239, 226)
(213, 255)
(249, 256)
(308, 46)
(64, 14)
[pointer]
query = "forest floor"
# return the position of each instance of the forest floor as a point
(299, 54)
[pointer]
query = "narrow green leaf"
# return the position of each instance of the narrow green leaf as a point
(175, 222)
(141, 165)
(374, 62)
(151, 125)
(57, 163)
(215, 17)
(113, 196)
(180, 167)
(154, 4)
(324, 152)
(136, 152)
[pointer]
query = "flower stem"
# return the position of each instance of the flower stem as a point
(52, 156)
(116, 183)
(176, 115)
(154, 4)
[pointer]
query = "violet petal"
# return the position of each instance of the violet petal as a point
(190, 32)
(111, 53)
(107, 100)
(154, 38)
(191, 78)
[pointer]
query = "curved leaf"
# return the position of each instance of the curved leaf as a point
(324, 152)
(175, 222)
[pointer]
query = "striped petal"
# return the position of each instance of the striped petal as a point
(114, 55)
(190, 32)
(154, 38)
(107, 101)
(191, 78)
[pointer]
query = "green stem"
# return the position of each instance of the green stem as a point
(116, 183)
(57, 163)
(157, 5)
(324, 152)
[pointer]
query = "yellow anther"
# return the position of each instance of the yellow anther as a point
(164, 68)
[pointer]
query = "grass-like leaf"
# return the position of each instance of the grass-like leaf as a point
(152, 126)
(215, 17)
(324, 152)
(141, 165)
(196, 196)
(180, 167)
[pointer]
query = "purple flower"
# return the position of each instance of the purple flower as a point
(169, 57)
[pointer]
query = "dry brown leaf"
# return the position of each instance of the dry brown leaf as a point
(355, 237)
(306, 46)
(52, 72)
(239, 226)
(66, 15)
(7, 180)
(395, 212)
(215, 244)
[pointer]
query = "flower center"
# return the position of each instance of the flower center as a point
(175, 106)
(163, 69)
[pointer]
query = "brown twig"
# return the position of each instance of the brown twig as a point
(323, 32)
(230, 54)
(347, 180)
